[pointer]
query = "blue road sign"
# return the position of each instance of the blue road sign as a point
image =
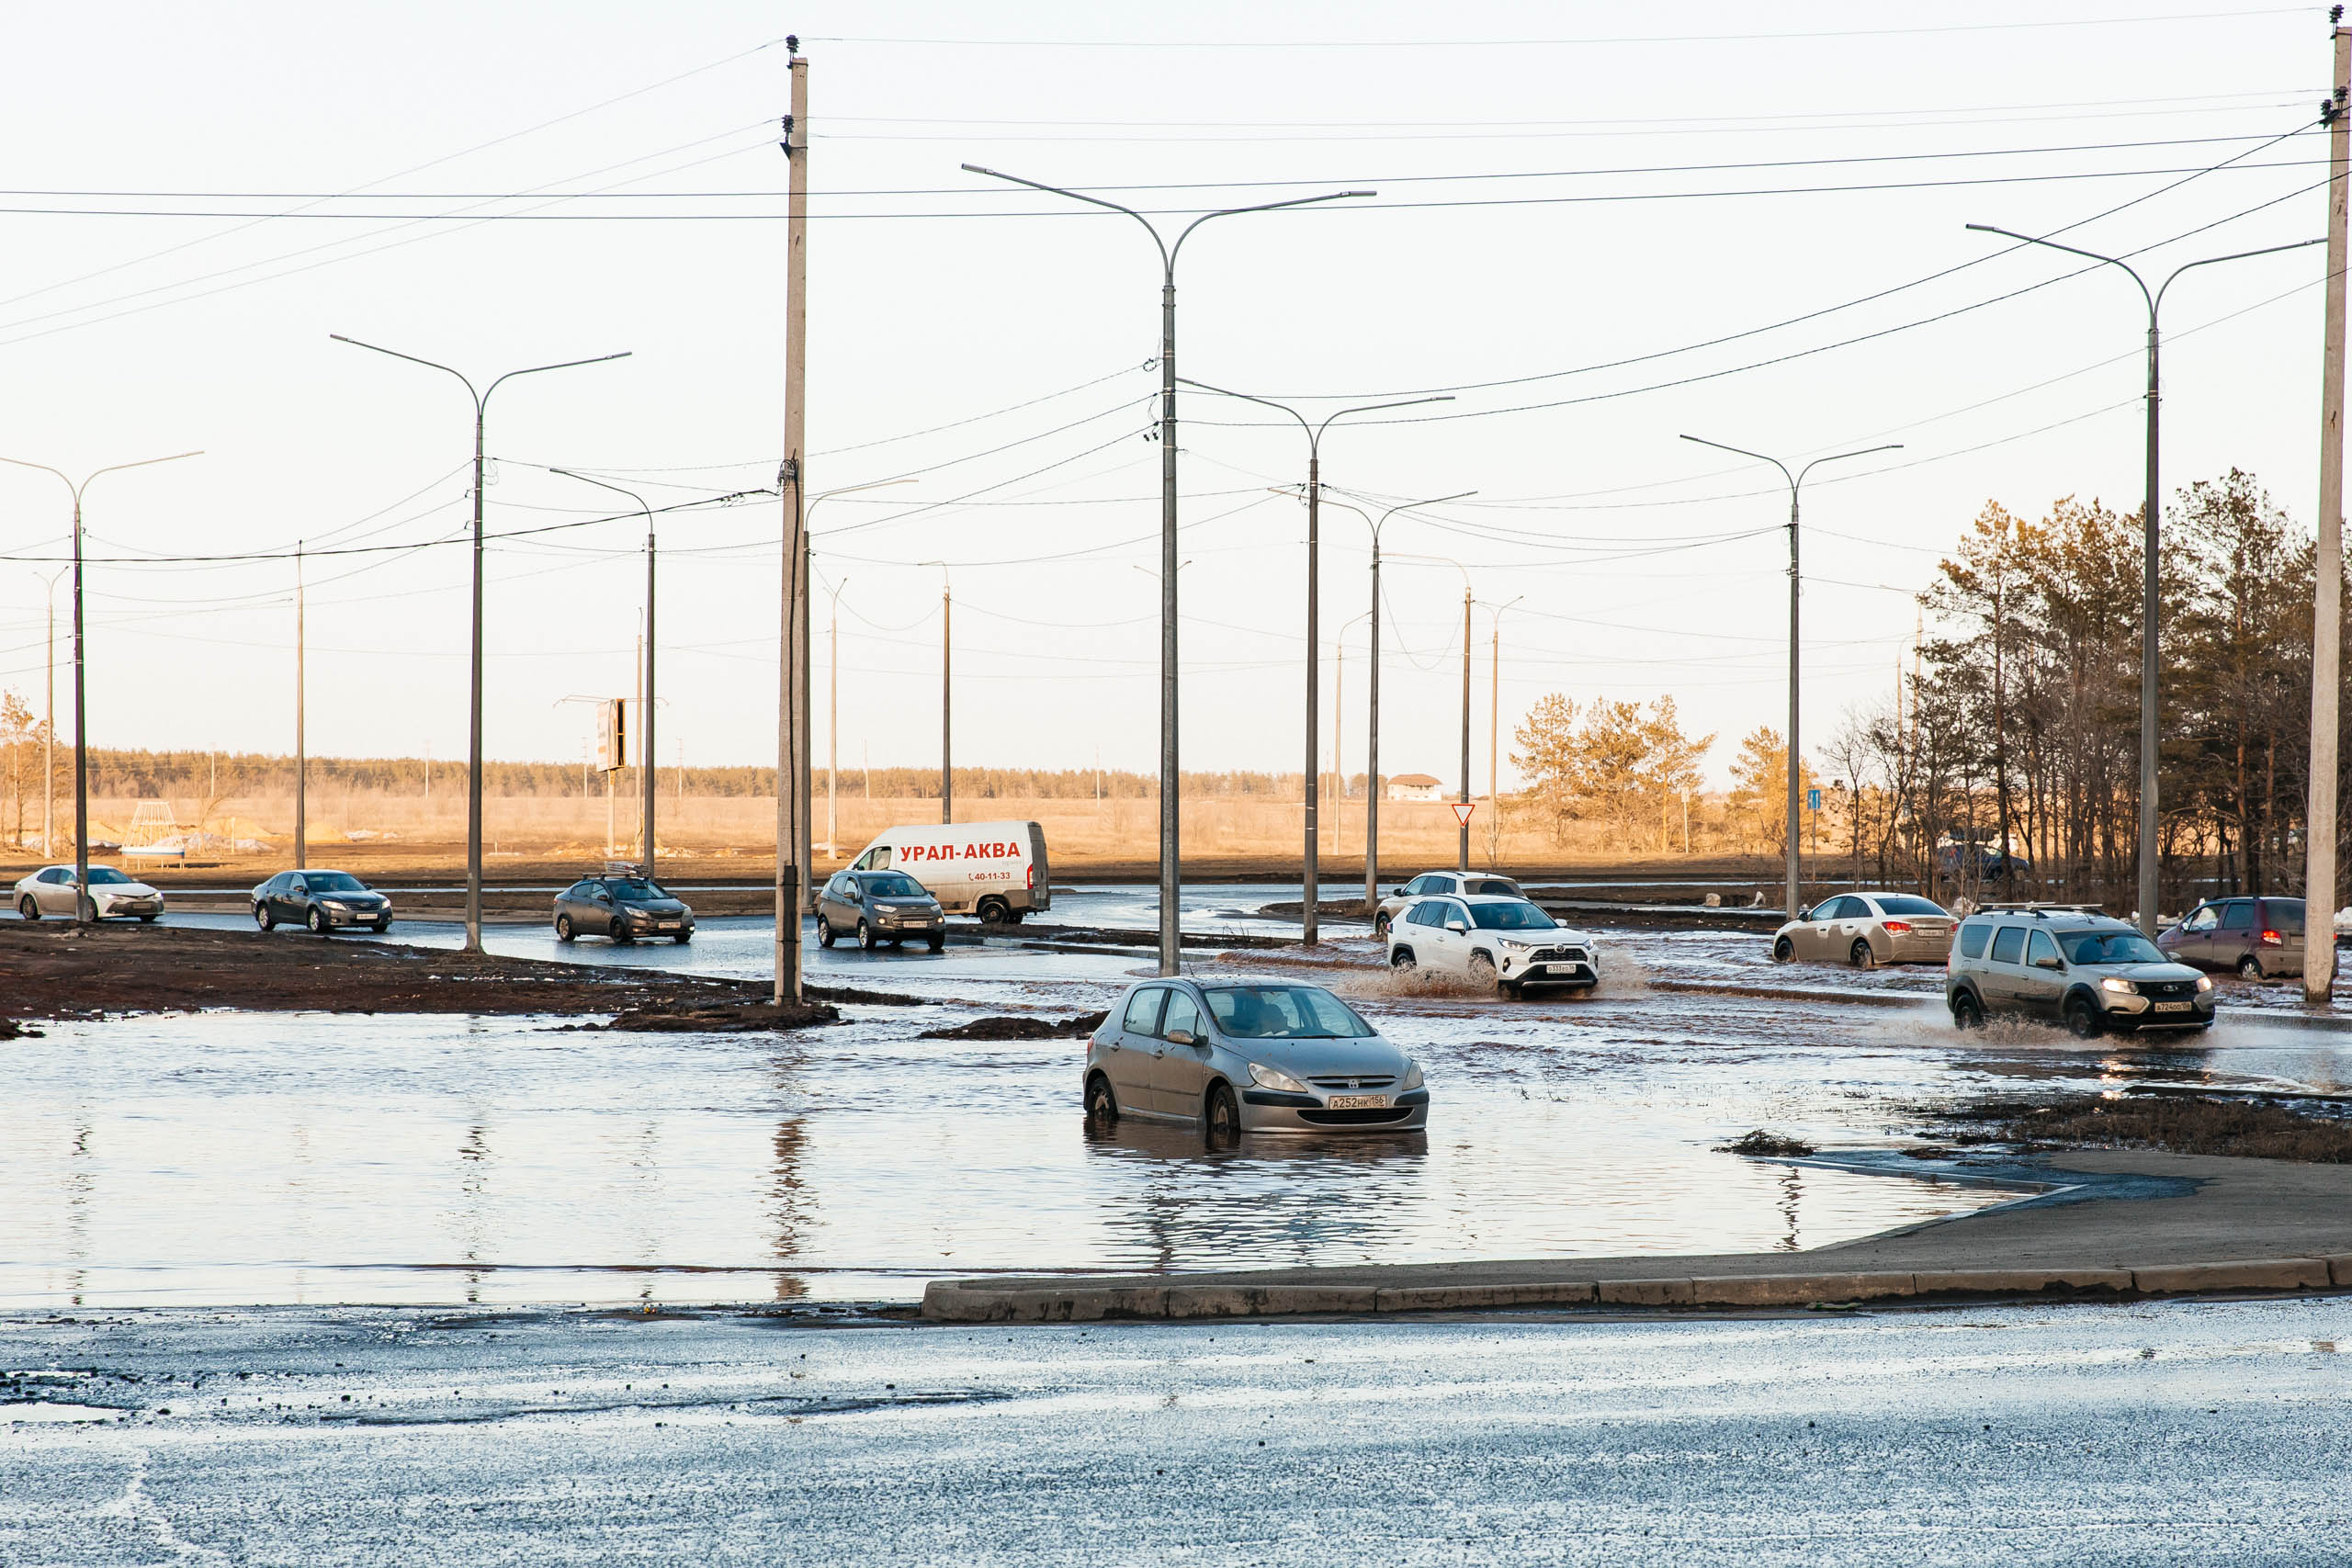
(1813, 800)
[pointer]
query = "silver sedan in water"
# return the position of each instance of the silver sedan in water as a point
(1249, 1058)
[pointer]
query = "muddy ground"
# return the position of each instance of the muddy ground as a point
(50, 971)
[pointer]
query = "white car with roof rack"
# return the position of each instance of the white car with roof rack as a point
(1507, 943)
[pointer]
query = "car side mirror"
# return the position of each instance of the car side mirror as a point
(2046, 964)
(1397, 893)
(1457, 926)
(1182, 1037)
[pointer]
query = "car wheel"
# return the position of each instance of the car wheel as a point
(995, 912)
(1102, 1105)
(1482, 971)
(898, 943)
(28, 908)
(563, 928)
(150, 919)
(1860, 956)
(2250, 968)
(264, 919)
(1402, 958)
(318, 922)
(383, 924)
(825, 937)
(865, 937)
(1380, 925)
(683, 938)
(2082, 1020)
(1967, 1012)
(618, 932)
(1782, 951)
(1221, 1118)
(937, 942)
(1515, 990)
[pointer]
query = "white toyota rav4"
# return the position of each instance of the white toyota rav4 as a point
(1507, 943)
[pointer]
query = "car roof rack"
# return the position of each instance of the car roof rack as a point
(2038, 911)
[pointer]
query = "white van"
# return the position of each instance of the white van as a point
(994, 870)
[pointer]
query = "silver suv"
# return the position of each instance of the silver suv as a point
(2070, 963)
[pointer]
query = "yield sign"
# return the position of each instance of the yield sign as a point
(1463, 809)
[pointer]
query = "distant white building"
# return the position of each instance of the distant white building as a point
(1414, 786)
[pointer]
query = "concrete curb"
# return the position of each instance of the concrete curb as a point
(1031, 1300)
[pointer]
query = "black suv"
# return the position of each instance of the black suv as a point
(2090, 971)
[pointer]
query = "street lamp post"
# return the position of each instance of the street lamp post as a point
(1310, 881)
(473, 729)
(48, 731)
(84, 907)
(1495, 714)
(645, 709)
(1171, 778)
(2150, 512)
(1372, 728)
(1796, 481)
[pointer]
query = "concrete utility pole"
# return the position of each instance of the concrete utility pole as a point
(2151, 520)
(1791, 844)
(1461, 857)
(1311, 873)
(473, 728)
(792, 878)
(1170, 775)
(2327, 583)
(946, 699)
(301, 759)
(85, 910)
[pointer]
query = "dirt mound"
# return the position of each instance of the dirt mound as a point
(1085, 1023)
(1769, 1144)
(2176, 1124)
(741, 1018)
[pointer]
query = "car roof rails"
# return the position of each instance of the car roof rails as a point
(2038, 911)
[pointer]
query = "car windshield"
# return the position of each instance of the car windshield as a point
(1285, 1012)
(894, 886)
(1904, 904)
(333, 882)
(2111, 947)
(106, 877)
(636, 888)
(1511, 918)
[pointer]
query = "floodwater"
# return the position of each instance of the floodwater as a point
(250, 1158)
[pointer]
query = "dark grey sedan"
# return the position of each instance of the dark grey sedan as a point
(321, 900)
(877, 907)
(622, 908)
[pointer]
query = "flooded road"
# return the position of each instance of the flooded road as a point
(242, 1158)
(2177, 1433)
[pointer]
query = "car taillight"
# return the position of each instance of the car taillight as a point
(2272, 939)
(1897, 928)
(1029, 877)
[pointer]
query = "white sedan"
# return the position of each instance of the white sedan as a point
(50, 891)
(1507, 943)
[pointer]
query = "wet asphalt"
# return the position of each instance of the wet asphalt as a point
(2158, 1434)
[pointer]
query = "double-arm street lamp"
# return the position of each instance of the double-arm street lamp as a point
(84, 907)
(1796, 481)
(1372, 730)
(1171, 779)
(2151, 511)
(1312, 881)
(473, 732)
(645, 718)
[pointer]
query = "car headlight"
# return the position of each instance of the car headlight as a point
(2204, 982)
(1267, 1077)
(2117, 984)
(1412, 1077)
(1512, 944)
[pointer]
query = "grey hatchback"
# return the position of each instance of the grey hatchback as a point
(877, 906)
(2089, 970)
(623, 908)
(1272, 1056)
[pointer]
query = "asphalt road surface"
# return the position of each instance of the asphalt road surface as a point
(2179, 1433)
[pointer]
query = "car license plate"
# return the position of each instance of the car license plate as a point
(2171, 1007)
(1358, 1101)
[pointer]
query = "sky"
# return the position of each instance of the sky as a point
(1598, 227)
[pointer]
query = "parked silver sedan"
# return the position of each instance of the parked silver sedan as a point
(1249, 1058)
(50, 891)
(1867, 930)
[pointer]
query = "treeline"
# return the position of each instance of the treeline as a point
(226, 775)
(2020, 724)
